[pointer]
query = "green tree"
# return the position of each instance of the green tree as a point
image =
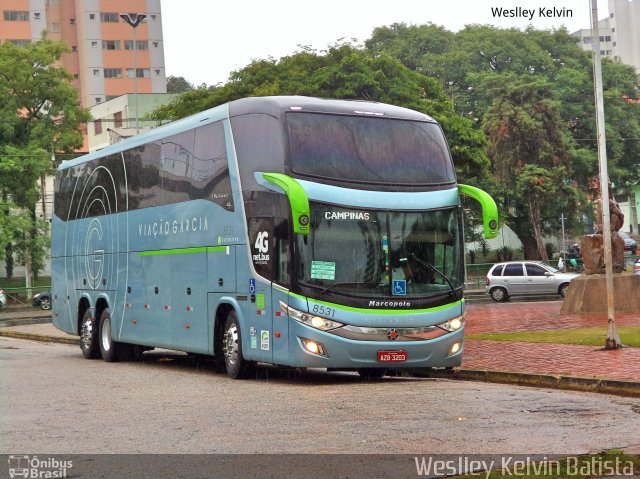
(40, 116)
(530, 154)
(464, 61)
(178, 85)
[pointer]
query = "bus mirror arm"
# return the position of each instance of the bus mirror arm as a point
(489, 209)
(298, 200)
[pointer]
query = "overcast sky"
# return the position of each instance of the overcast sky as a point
(205, 40)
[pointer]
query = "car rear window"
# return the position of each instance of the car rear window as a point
(497, 271)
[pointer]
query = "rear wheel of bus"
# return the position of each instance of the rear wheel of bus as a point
(89, 336)
(235, 365)
(109, 349)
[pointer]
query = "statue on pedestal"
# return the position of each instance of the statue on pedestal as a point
(593, 245)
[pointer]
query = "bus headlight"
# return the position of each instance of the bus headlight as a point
(453, 324)
(317, 322)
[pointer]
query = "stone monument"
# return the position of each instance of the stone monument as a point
(593, 245)
(585, 293)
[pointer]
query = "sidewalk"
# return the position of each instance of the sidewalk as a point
(548, 365)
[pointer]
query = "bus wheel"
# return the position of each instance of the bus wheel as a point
(372, 373)
(109, 349)
(234, 363)
(89, 336)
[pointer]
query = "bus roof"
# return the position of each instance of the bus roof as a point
(275, 106)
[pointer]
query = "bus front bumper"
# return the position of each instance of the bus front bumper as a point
(320, 349)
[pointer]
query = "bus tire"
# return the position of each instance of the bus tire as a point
(235, 365)
(109, 349)
(89, 336)
(372, 373)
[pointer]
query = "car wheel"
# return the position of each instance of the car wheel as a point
(89, 336)
(109, 349)
(234, 362)
(563, 289)
(372, 373)
(45, 303)
(499, 294)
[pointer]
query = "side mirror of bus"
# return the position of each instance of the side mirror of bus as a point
(489, 209)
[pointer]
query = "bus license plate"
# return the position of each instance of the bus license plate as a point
(392, 356)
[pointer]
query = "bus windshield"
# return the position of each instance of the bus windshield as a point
(368, 149)
(370, 253)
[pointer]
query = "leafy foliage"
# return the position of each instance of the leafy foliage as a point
(39, 117)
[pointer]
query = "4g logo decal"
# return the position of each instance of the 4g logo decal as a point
(262, 248)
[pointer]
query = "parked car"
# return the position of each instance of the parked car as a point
(629, 243)
(636, 266)
(3, 299)
(526, 278)
(42, 299)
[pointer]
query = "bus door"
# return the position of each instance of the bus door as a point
(260, 311)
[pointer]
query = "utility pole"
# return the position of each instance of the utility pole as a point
(613, 340)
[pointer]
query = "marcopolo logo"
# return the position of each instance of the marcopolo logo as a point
(38, 468)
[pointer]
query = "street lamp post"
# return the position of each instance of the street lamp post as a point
(134, 19)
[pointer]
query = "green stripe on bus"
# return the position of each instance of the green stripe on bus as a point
(380, 311)
(163, 252)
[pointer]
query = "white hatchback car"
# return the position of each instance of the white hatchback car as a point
(526, 278)
(3, 299)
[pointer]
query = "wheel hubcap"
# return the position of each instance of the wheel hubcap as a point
(87, 334)
(230, 344)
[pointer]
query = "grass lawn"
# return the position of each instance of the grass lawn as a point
(629, 335)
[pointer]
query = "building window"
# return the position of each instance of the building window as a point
(96, 72)
(74, 48)
(109, 17)
(117, 119)
(111, 44)
(97, 127)
(140, 45)
(92, 16)
(76, 76)
(20, 43)
(94, 44)
(113, 72)
(138, 73)
(586, 39)
(99, 100)
(155, 44)
(36, 15)
(157, 72)
(16, 16)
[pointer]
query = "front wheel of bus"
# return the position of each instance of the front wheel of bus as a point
(89, 337)
(109, 349)
(234, 363)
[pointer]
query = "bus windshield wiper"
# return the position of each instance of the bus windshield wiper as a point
(346, 284)
(430, 267)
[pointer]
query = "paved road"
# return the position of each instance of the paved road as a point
(56, 402)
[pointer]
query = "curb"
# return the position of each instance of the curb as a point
(618, 387)
(39, 337)
(572, 383)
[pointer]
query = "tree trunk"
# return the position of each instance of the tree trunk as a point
(534, 214)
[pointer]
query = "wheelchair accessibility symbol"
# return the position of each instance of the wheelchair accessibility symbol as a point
(399, 287)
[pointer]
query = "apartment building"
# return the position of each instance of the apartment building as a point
(619, 33)
(108, 56)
